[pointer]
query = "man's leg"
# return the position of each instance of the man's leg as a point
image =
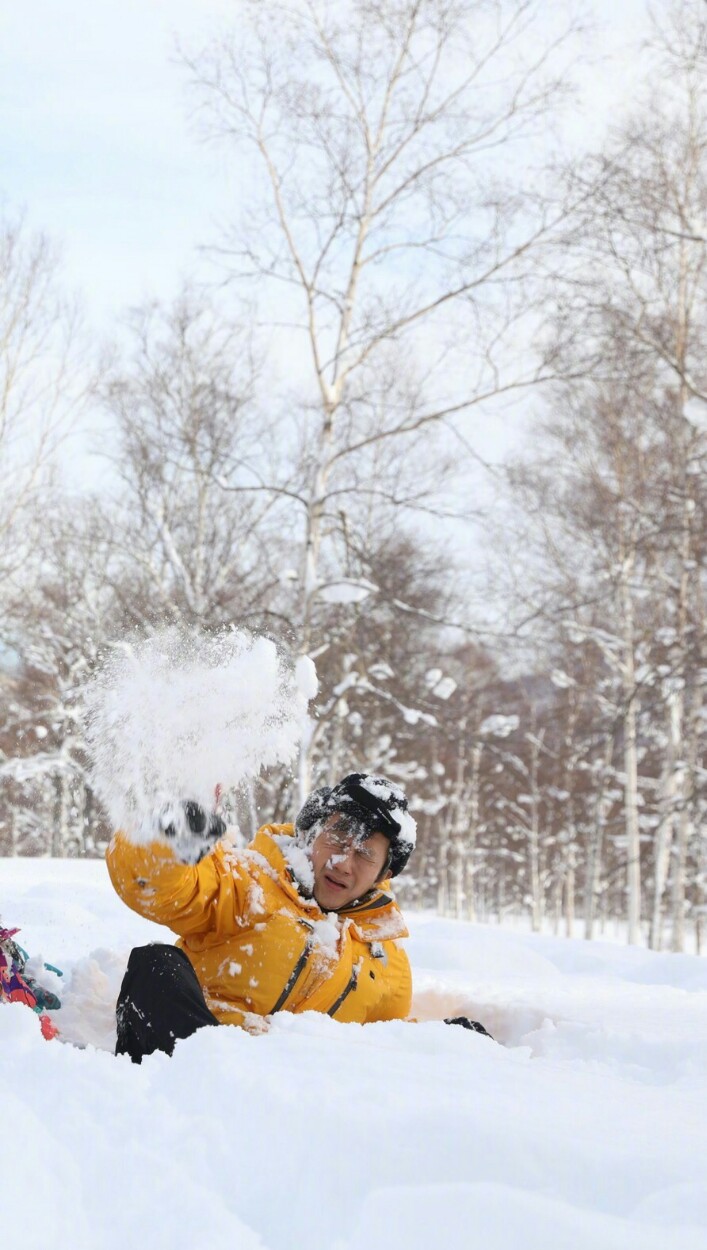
(160, 1001)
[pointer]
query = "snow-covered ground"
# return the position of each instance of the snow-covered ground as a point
(586, 1129)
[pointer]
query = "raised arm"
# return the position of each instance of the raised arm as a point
(179, 874)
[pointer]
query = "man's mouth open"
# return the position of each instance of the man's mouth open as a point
(336, 885)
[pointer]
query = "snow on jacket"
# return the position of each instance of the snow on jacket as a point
(256, 943)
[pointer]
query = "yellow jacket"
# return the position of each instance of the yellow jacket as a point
(257, 944)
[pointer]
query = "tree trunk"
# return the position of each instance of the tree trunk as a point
(557, 905)
(501, 894)
(569, 895)
(596, 847)
(700, 906)
(60, 830)
(633, 846)
(678, 891)
(458, 877)
(685, 830)
(471, 902)
(534, 839)
(664, 832)
(443, 876)
(14, 831)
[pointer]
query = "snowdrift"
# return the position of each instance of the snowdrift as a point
(584, 1129)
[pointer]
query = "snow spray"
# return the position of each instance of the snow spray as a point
(178, 714)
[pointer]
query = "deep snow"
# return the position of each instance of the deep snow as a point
(585, 1129)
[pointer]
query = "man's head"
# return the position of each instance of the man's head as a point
(358, 833)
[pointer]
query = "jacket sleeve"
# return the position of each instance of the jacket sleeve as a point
(208, 897)
(396, 1002)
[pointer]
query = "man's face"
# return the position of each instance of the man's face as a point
(345, 865)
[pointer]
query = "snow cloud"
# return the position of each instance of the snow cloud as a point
(178, 714)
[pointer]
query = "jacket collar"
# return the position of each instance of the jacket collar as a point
(374, 917)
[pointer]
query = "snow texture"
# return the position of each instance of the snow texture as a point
(439, 685)
(346, 591)
(394, 799)
(178, 714)
(299, 860)
(498, 726)
(583, 1128)
(561, 679)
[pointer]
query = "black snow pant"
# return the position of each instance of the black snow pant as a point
(160, 1001)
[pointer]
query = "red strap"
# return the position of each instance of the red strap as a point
(49, 1030)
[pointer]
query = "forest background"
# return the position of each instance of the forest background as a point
(430, 408)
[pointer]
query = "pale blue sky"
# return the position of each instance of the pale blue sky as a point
(96, 144)
(97, 147)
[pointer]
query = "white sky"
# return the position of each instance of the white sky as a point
(95, 142)
(96, 145)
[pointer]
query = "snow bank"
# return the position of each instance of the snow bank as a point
(585, 1130)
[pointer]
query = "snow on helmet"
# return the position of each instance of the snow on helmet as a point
(374, 803)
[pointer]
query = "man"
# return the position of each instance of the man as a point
(301, 920)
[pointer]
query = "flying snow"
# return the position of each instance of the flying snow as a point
(178, 714)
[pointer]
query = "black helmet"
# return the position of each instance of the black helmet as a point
(375, 804)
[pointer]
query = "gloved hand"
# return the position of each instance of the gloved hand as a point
(193, 831)
(466, 1023)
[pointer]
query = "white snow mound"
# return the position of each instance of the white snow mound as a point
(584, 1128)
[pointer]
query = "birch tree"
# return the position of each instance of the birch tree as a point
(56, 629)
(649, 261)
(41, 387)
(195, 544)
(382, 229)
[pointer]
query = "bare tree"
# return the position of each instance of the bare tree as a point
(197, 541)
(383, 231)
(647, 288)
(55, 628)
(40, 383)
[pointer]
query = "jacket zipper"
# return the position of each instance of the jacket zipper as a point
(345, 993)
(294, 976)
